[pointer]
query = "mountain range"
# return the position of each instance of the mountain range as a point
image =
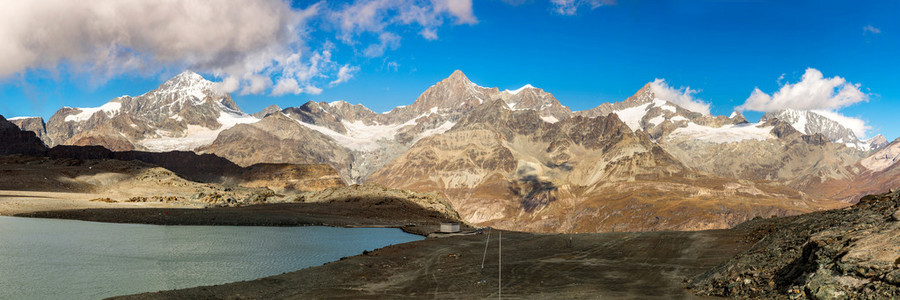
(518, 159)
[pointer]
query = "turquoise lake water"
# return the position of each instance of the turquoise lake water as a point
(65, 259)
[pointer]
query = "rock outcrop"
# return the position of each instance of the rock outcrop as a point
(33, 124)
(16, 141)
(373, 195)
(852, 253)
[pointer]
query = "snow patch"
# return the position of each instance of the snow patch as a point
(656, 120)
(724, 134)
(678, 118)
(110, 109)
(395, 108)
(439, 130)
(197, 136)
(514, 92)
(21, 118)
(361, 137)
(549, 119)
(632, 116)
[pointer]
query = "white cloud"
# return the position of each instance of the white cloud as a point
(234, 39)
(461, 9)
(291, 86)
(245, 43)
(228, 85)
(286, 86)
(392, 65)
(379, 16)
(345, 73)
(386, 40)
(683, 97)
(312, 90)
(570, 7)
(812, 92)
(429, 34)
(255, 84)
(871, 29)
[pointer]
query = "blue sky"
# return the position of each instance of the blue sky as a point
(585, 52)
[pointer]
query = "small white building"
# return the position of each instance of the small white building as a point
(449, 227)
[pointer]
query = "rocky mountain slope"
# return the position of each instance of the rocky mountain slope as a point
(16, 141)
(771, 151)
(33, 124)
(359, 141)
(509, 169)
(871, 175)
(75, 166)
(852, 253)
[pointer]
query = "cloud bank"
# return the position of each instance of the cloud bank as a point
(683, 97)
(814, 92)
(253, 46)
(239, 38)
(379, 16)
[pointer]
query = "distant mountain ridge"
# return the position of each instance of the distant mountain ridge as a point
(516, 158)
(813, 122)
(183, 113)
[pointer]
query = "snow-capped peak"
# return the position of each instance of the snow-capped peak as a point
(188, 84)
(827, 123)
(513, 92)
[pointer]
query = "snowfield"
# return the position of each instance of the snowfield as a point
(110, 108)
(724, 134)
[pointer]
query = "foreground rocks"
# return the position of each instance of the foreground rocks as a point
(852, 253)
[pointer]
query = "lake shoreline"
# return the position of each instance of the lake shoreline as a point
(276, 214)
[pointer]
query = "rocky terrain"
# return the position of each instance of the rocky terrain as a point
(853, 253)
(849, 253)
(120, 181)
(94, 183)
(375, 195)
(204, 180)
(506, 168)
(351, 206)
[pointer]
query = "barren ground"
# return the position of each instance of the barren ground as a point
(597, 266)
